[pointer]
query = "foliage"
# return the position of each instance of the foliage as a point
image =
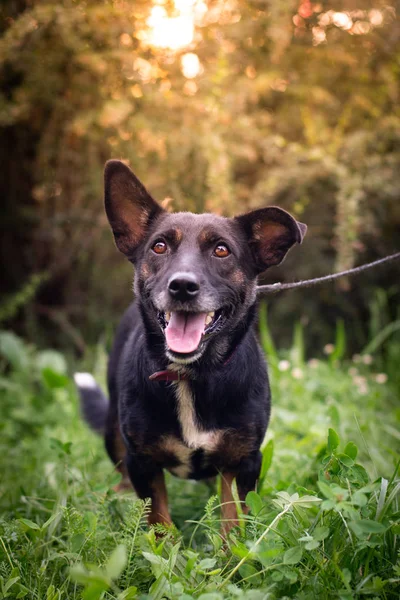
(293, 104)
(324, 521)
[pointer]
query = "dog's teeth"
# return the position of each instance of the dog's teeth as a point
(167, 316)
(210, 317)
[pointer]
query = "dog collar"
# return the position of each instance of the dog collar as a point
(168, 376)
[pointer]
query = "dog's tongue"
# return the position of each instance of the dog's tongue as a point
(184, 331)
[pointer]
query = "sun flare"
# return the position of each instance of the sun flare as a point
(177, 31)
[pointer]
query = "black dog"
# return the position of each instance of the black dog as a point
(187, 379)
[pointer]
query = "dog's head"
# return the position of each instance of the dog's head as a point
(196, 275)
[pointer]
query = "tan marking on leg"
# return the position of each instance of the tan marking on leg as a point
(228, 506)
(159, 503)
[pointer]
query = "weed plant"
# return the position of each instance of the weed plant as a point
(323, 523)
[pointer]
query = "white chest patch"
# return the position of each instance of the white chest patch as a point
(193, 436)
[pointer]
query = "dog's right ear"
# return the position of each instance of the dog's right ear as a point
(130, 208)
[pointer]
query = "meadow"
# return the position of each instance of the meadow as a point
(324, 522)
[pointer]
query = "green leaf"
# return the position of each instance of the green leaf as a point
(53, 379)
(345, 460)
(366, 526)
(266, 337)
(351, 450)
(333, 440)
(160, 564)
(340, 342)
(358, 475)
(267, 455)
(77, 541)
(293, 555)
(247, 570)
(277, 576)
(117, 562)
(240, 550)
(158, 588)
(90, 519)
(207, 563)
(64, 448)
(190, 564)
(290, 574)
(254, 502)
(129, 594)
(94, 591)
(9, 583)
(320, 533)
(326, 490)
(359, 499)
(52, 360)
(312, 545)
(82, 575)
(346, 575)
(29, 524)
(50, 520)
(306, 501)
(173, 555)
(14, 350)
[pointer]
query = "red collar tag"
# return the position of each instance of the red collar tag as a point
(168, 375)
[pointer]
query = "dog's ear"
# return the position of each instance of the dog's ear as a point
(130, 208)
(271, 232)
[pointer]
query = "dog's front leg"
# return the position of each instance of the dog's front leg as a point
(246, 478)
(148, 481)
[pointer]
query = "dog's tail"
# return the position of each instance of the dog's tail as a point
(94, 403)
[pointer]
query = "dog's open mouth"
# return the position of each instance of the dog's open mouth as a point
(185, 330)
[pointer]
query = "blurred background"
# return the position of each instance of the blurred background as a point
(217, 106)
(223, 106)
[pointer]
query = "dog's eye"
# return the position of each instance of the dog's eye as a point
(159, 247)
(221, 251)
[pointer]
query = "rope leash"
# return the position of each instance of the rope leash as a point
(280, 287)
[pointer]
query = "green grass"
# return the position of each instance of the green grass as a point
(324, 522)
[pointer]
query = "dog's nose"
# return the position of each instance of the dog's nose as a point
(183, 286)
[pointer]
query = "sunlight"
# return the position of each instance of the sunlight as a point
(190, 64)
(175, 32)
(354, 22)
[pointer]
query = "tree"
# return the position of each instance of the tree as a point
(286, 103)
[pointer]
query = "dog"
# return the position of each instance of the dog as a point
(187, 379)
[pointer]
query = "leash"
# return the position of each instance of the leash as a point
(274, 288)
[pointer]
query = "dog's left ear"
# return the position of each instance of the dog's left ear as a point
(271, 232)
(130, 208)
